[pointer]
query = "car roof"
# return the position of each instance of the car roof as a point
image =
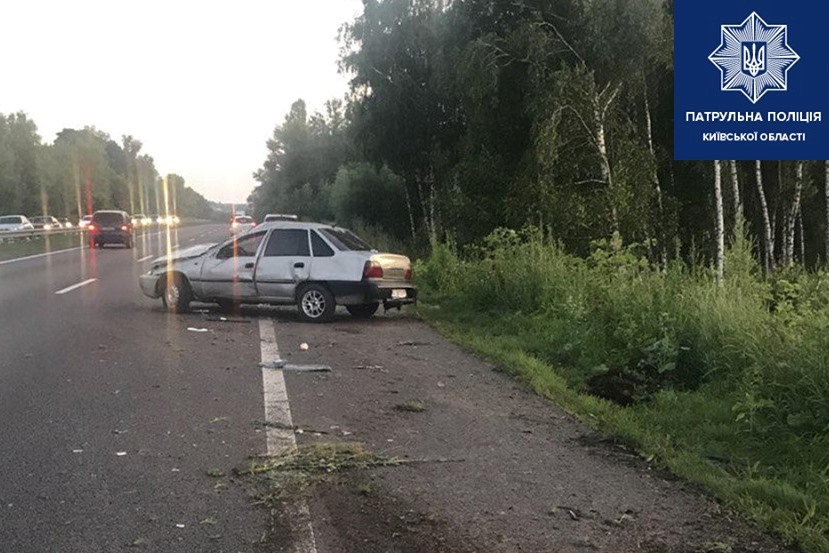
(292, 225)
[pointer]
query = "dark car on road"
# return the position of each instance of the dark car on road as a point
(110, 227)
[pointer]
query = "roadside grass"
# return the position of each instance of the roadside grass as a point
(725, 388)
(40, 244)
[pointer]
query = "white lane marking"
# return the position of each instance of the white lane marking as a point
(279, 430)
(76, 286)
(38, 256)
(144, 259)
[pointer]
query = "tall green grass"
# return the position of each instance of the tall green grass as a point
(728, 387)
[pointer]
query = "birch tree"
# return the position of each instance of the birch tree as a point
(720, 228)
(792, 217)
(768, 241)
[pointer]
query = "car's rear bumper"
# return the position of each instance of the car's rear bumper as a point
(363, 292)
(149, 285)
(111, 237)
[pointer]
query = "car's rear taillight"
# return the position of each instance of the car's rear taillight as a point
(372, 269)
(91, 228)
(125, 228)
(408, 274)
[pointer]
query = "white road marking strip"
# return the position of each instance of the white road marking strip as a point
(144, 259)
(37, 256)
(76, 286)
(279, 429)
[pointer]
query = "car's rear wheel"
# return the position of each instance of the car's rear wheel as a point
(177, 294)
(364, 311)
(316, 304)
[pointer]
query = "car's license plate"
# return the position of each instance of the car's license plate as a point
(107, 228)
(398, 294)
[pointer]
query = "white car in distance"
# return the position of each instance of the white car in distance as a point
(15, 223)
(241, 224)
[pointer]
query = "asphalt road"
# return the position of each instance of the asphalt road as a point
(122, 427)
(113, 411)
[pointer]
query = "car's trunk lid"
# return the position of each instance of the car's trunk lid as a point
(394, 266)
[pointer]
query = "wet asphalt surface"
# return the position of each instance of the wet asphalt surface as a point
(121, 429)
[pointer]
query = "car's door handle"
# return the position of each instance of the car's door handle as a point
(248, 265)
(299, 265)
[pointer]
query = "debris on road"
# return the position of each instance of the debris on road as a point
(121, 453)
(307, 368)
(304, 346)
(414, 406)
(226, 320)
(179, 526)
(194, 329)
(413, 343)
(77, 451)
(369, 368)
(284, 366)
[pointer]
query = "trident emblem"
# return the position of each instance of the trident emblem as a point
(754, 58)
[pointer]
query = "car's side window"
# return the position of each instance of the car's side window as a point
(288, 243)
(242, 247)
(321, 249)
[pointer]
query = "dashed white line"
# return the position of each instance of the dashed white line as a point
(144, 259)
(279, 430)
(75, 286)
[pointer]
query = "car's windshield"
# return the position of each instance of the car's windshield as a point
(345, 240)
(109, 219)
(10, 220)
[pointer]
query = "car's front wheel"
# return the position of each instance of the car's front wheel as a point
(177, 294)
(364, 311)
(316, 304)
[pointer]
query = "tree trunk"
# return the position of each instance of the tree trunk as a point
(791, 219)
(601, 103)
(802, 238)
(660, 232)
(720, 223)
(826, 259)
(738, 202)
(409, 209)
(764, 207)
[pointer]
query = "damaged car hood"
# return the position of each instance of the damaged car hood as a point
(183, 254)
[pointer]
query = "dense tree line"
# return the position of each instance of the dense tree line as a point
(83, 171)
(477, 114)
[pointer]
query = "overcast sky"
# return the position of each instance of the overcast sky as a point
(201, 83)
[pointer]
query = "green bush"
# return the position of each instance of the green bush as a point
(738, 373)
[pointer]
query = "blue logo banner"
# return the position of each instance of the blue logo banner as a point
(751, 79)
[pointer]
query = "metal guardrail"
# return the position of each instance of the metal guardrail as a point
(6, 236)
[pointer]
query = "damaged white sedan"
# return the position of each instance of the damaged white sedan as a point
(314, 266)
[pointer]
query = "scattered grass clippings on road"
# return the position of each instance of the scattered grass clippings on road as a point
(287, 476)
(215, 472)
(414, 406)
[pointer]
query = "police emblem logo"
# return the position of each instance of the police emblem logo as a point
(754, 58)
